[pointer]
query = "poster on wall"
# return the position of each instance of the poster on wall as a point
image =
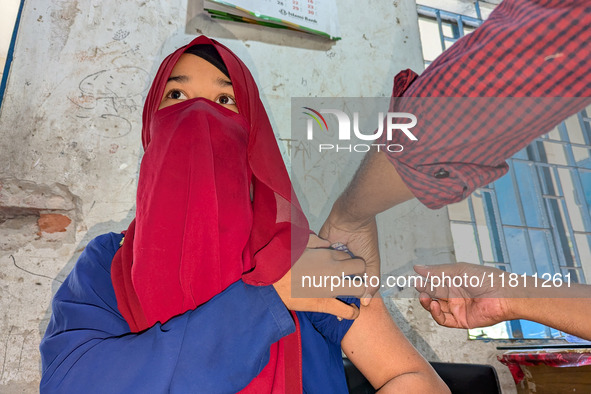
(317, 17)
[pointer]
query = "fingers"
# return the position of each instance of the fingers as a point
(316, 242)
(365, 298)
(328, 287)
(450, 269)
(432, 284)
(372, 270)
(324, 305)
(440, 313)
(351, 266)
(324, 272)
(458, 311)
(422, 270)
(348, 276)
(433, 290)
(369, 252)
(362, 242)
(425, 300)
(340, 309)
(340, 255)
(350, 286)
(436, 312)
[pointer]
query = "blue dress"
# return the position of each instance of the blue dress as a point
(216, 348)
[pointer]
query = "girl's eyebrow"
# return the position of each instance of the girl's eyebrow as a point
(179, 78)
(223, 82)
(184, 79)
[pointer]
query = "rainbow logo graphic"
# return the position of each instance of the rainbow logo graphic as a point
(316, 116)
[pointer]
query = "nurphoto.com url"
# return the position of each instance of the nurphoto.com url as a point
(432, 282)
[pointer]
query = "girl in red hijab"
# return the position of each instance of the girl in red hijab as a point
(214, 201)
(214, 207)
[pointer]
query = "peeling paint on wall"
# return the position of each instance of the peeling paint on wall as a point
(31, 212)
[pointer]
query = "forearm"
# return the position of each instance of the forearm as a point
(564, 308)
(416, 382)
(375, 188)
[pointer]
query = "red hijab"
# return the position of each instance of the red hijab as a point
(196, 230)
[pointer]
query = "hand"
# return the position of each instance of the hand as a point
(464, 306)
(299, 288)
(362, 241)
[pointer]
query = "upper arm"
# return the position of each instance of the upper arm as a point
(382, 353)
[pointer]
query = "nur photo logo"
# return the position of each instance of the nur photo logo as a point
(349, 130)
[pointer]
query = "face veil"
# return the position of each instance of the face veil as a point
(196, 229)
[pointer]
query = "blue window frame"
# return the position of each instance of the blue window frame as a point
(450, 26)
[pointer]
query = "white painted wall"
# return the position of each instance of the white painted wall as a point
(8, 11)
(70, 142)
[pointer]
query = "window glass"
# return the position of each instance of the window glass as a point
(498, 331)
(554, 152)
(554, 134)
(459, 211)
(575, 275)
(507, 200)
(574, 130)
(465, 243)
(540, 243)
(584, 249)
(487, 225)
(574, 208)
(547, 177)
(582, 157)
(586, 184)
(532, 330)
(522, 154)
(517, 245)
(530, 201)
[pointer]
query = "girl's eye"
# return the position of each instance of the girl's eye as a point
(225, 100)
(176, 95)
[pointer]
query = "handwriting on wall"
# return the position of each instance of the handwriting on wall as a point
(108, 99)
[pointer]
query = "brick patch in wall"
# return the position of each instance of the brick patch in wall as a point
(53, 222)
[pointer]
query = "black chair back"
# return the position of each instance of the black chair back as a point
(460, 378)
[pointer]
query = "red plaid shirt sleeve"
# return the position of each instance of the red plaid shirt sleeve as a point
(525, 49)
